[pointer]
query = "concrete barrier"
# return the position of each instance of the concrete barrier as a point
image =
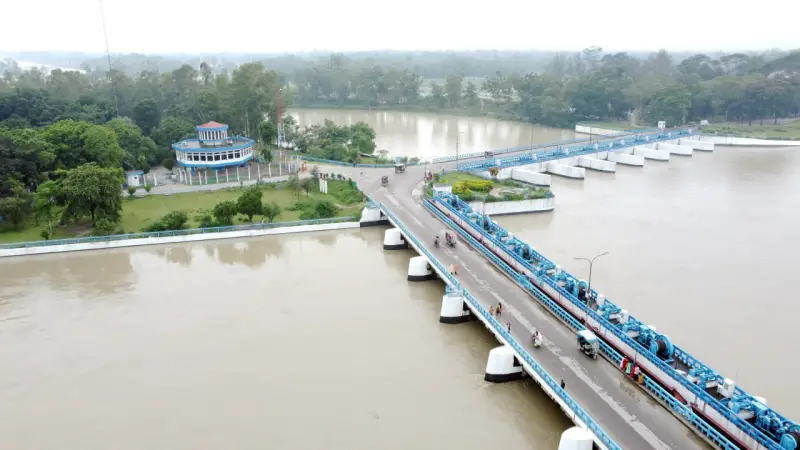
(673, 149)
(649, 153)
(748, 142)
(597, 164)
(565, 170)
(173, 239)
(627, 160)
(515, 207)
(596, 131)
(697, 145)
(529, 176)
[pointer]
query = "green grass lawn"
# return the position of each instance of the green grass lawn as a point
(789, 130)
(455, 177)
(139, 212)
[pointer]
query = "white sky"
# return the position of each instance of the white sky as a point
(164, 26)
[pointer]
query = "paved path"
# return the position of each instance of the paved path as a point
(626, 413)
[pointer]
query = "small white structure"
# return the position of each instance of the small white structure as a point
(454, 309)
(420, 270)
(134, 178)
(503, 366)
(575, 438)
(393, 239)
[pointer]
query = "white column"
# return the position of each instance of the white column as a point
(248, 173)
(206, 171)
(237, 173)
(258, 170)
(226, 174)
(189, 175)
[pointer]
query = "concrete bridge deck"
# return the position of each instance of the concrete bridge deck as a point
(627, 414)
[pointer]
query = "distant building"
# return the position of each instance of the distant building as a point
(212, 150)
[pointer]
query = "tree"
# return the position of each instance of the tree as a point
(102, 147)
(224, 212)
(471, 94)
(147, 115)
(362, 137)
(306, 184)
(174, 220)
(91, 190)
(131, 191)
(172, 130)
(271, 210)
(17, 207)
(453, 89)
(669, 104)
(44, 203)
(249, 203)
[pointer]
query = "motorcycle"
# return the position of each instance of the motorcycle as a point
(536, 340)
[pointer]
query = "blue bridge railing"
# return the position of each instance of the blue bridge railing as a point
(191, 231)
(588, 148)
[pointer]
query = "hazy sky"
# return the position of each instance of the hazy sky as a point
(162, 26)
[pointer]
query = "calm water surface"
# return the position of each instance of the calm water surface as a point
(282, 342)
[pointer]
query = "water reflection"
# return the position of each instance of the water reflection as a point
(426, 135)
(82, 272)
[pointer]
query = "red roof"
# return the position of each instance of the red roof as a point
(212, 124)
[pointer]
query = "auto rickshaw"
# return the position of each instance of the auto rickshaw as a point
(399, 168)
(384, 181)
(588, 343)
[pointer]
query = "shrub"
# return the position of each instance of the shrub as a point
(104, 227)
(168, 163)
(224, 212)
(147, 188)
(474, 185)
(175, 220)
(493, 171)
(131, 190)
(318, 209)
(271, 211)
(46, 234)
(249, 203)
(205, 220)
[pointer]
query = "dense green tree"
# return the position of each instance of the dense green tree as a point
(249, 203)
(271, 211)
(147, 115)
(91, 190)
(16, 207)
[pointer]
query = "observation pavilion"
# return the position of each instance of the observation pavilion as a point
(212, 154)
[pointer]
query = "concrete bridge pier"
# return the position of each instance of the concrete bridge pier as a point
(703, 146)
(650, 153)
(625, 159)
(530, 176)
(599, 165)
(393, 239)
(576, 438)
(566, 170)
(454, 309)
(419, 269)
(674, 149)
(503, 366)
(372, 216)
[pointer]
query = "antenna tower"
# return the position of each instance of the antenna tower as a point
(108, 55)
(281, 137)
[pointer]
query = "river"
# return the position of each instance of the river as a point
(318, 341)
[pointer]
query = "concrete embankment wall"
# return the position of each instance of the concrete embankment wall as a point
(173, 239)
(530, 174)
(515, 207)
(748, 142)
(625, 159)
(585, 129)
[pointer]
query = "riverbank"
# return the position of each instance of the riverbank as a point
(788, 130)
(139, 212)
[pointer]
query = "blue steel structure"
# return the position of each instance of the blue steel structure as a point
(499, 329)
(584, 148)
(770, 429)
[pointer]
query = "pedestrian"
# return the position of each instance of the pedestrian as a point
(452, 269)
(508, 326)
(491, 310)
(563, 385)
(455, 269)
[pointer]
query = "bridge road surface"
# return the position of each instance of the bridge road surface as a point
(631, 417)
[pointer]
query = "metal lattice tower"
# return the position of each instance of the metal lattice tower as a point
(281, 136)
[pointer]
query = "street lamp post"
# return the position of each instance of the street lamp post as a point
(589, 287)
